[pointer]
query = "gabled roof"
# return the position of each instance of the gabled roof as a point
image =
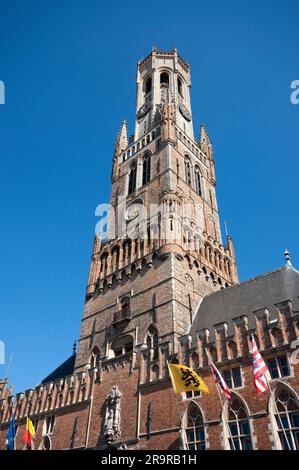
(258, 293)
(66, 368)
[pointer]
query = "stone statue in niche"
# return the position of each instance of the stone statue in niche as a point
(112, 416)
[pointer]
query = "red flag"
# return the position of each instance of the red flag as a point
(220, 380)
(29, 433)
(259, 369)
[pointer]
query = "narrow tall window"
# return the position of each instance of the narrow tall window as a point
(195, 430)
(238, 422)
(198, 181)
(188, 171)
(164, 79)
(287, 418)
(180, 86)
(146, 169)
(148, 85)
(49, 424)
(132, 178)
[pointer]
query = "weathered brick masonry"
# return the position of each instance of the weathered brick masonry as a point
(164, 287)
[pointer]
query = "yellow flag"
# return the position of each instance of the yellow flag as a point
(185, 379)
(30, 427)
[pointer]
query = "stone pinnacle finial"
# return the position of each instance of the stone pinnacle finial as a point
(287, 258)
(74, 347)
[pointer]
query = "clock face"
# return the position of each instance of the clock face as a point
(143, 110)
(185, 112)
(134, 210)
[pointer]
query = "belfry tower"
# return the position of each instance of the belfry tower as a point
(163, 250)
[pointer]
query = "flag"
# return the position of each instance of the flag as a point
(29, 433)
(11, 434)
(185, 379)
(259, 369)
(220, 380)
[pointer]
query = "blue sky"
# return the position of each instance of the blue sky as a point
(69, 68)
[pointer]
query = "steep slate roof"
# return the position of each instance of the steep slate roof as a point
(247, 297)
(66, 368)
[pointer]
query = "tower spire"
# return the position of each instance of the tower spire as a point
(122, 140)
(205, 141)
(287, 258)
(204, 136)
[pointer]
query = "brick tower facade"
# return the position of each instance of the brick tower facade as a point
(162, 287)
(163, 252)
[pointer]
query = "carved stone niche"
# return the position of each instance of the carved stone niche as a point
(112, 428)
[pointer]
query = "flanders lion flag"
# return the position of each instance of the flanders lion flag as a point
(185, 379)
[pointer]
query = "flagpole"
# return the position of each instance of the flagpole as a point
(278, 415)
(182, 429)
(8, 366)
(225, 420)
(222, 406)
(273, 399)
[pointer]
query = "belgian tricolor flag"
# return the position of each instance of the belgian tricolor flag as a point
(29, 433)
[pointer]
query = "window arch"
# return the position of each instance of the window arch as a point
(164, 79)
(180, 87)
(46, 443)
(122, 345)
(188, 171)
(239, 433)
(194, 428)
(286, 417)
(146, 168)
(148, 85)
(132, 178)
(198, 180)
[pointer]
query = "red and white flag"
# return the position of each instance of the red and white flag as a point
(259, 369)
(220, 380)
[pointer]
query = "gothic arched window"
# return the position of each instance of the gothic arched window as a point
(122, 345)
(152, 341)
(132, 178)
(194, 427)
(188, 171)
(239, 435)
(46, 443)
(287, 417)
(180, 86)
(198, 181)
(164, 79)
(148, 85)
(94, 358)
(146, 168)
